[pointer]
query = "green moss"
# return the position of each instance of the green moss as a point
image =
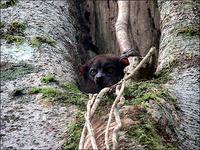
(74, 132)
(16, 71)
(138, 93)
(164, 76)
(17, 92)
(48, 78)
(71, 94)
(35, 90)
(139, 89)
(146, 134)
(7, 4)
(37, 41)
(17, 28)
(46, 91)
(15, 33)
(107, 99)
(75, 96)
(146, 130)
(13, 39)
(189, 31)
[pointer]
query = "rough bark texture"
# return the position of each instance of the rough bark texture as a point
(100, 17)
(143, 26)
(28, 122)
(179, 45)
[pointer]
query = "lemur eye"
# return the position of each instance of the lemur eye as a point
(93, 72)
(110, 70)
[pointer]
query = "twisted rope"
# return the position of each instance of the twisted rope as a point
(94, 102)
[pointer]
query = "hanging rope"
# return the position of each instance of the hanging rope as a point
(95, 101)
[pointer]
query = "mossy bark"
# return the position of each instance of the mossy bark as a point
(49, 47)
(178, 53)
(180, 44)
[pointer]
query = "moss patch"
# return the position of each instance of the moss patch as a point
(17, 92)
(37, 41)
(75, 96)
(189, 31)
(17, 28)
(16, 70)
(14, 33)
(164, 76)
(70, 94)
(48, 78)
(146, 134)
(7, 4)
(74, 132)
(14, 39)
(141, 92)
(47, 91)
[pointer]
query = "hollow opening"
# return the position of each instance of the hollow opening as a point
(97, 32)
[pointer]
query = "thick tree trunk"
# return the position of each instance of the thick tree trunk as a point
(49, 47)
(179, 49)
(47, 31)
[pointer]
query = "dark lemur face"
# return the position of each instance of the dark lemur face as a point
(103, 71)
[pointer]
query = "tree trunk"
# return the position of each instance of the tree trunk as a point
(37, 39)
(179, 49)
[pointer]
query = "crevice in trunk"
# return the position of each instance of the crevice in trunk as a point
(96, 21)
(87, 48)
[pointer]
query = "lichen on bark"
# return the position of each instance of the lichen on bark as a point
(29, 121)
(180, 43)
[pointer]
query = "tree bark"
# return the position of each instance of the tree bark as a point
(28, 122)
(143, 25)
(179, 49)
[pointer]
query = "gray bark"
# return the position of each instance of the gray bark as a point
(180, 45)
(26, 121)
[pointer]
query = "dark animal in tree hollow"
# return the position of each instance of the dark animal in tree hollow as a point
(102, 71)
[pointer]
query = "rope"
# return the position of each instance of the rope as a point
(95, 100)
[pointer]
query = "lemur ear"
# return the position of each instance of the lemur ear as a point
(124, 61)
(82, 69)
